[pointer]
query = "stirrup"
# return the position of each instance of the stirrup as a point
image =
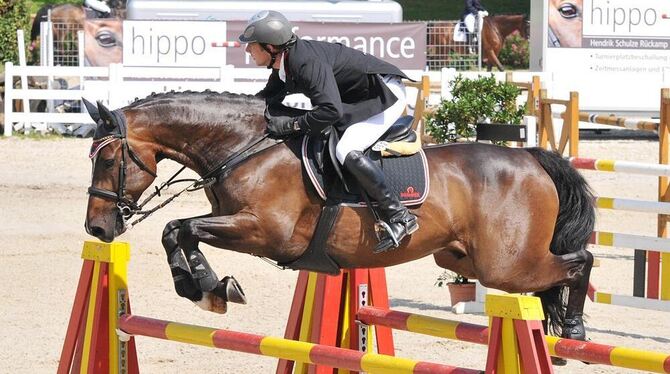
(387, 240)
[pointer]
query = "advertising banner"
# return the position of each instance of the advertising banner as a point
(402, 44)
(615, 53)
(203, 43)
(173, 43)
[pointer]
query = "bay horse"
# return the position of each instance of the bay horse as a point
(565, 23)
(518, 220)
(494, 31)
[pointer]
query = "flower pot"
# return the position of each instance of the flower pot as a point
(461, 292)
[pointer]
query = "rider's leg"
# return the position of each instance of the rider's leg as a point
(470, 31)
(355, 140)
(371, 178)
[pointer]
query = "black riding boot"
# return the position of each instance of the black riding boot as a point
(371, 178)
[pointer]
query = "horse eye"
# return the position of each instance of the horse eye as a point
(106, 39)
(568, 10)
(109, 163)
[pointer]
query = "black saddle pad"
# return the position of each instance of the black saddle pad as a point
(406, 176)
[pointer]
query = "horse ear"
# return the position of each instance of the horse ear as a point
(92, 110)
(106, 117)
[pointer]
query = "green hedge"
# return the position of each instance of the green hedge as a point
(13, 16)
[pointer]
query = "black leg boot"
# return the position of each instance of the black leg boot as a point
(371, 178)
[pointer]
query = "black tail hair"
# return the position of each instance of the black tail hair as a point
(574, 224)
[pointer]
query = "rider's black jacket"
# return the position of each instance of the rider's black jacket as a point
(472, 7)
(343, 84)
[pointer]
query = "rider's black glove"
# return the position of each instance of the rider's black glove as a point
(283, 126)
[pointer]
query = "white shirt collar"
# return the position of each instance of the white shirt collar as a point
(282, 71)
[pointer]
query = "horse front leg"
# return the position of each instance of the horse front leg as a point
(240, 232)
(182, 277)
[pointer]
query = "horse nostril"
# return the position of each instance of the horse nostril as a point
(96, 231)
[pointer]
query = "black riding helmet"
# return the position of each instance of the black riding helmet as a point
(268, 27)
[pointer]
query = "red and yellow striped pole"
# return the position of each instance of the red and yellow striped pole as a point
(281, 348)
(566, 348)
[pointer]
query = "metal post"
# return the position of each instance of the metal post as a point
(531, 130)
(480, 26)
(81, 60)
(9, 98)
(50, 58)
(24, 78)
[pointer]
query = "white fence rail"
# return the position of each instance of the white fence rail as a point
(116, 86)
(119, 85)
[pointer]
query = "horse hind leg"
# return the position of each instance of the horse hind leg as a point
(578, 285)
(568, 319)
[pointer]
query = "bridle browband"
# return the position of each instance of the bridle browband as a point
(127, 207)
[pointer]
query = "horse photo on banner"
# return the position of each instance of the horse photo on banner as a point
(103, 41)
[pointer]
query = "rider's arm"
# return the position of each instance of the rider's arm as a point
(318, 81)
(274, 89)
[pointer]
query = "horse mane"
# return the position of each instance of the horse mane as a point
(191, 106)
(189, 95)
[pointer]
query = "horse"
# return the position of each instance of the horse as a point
(518, 220)
(494, 31)
(565, 23)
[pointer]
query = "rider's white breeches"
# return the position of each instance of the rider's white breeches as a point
(362, 135)
(469, 21)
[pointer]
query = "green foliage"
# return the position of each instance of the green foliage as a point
(35, 5)
(462, 62)
(450, 277)
(427, 10)
(13, 16)
(515, 53)
(473, 100)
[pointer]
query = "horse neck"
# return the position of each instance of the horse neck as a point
(200, 147)
(508, 24)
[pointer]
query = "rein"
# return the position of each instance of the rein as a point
(127, 207)
(205, 181)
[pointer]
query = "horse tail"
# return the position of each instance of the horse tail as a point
(574, 224)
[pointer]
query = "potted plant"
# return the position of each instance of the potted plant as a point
(460, 288)
(480, 100)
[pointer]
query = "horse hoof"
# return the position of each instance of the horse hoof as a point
(558, 361)
(212, 303)
(230, 290)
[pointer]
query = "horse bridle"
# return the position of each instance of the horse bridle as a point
(126, 205)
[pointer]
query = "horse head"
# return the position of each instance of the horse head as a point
(121, 171)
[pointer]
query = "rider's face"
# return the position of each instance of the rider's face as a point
(260, 55)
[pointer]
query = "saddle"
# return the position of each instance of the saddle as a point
(398, 152)
(400, 156)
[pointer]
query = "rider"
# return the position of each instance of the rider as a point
(468, 17)
(103, 10)
(357, 93)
